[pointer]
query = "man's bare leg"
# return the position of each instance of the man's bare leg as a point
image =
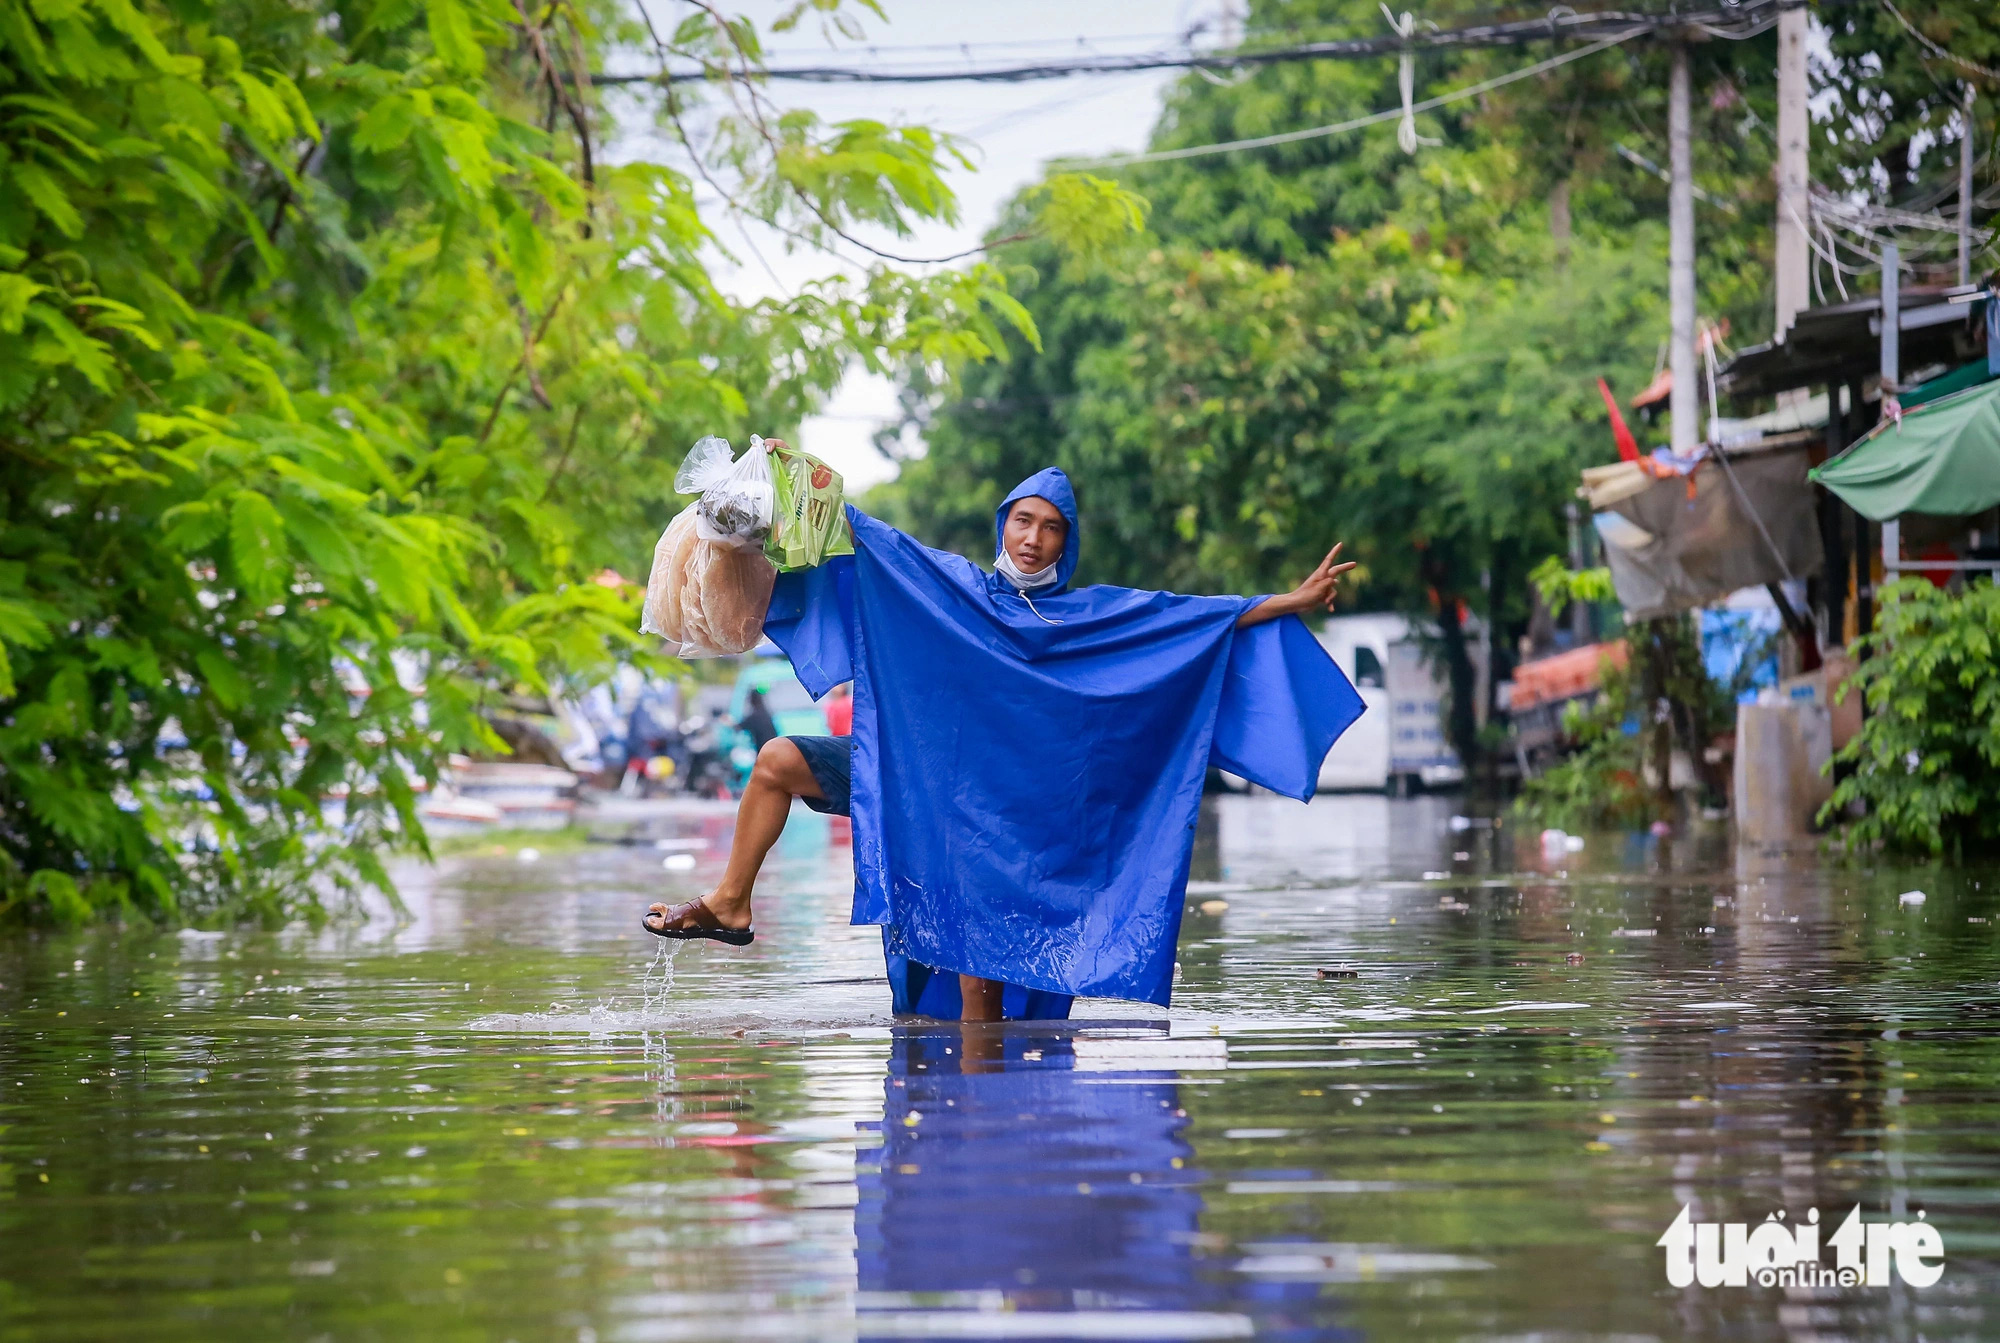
(779, 776)
(979, 999)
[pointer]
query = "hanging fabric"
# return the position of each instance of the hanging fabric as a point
(1406, 79)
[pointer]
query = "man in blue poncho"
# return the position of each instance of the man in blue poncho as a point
(1027, 761)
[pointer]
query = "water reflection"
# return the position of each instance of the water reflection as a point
(507, 1113)
(1007, 1183)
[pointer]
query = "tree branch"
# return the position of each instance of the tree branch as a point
(744, 78)
(527, 349)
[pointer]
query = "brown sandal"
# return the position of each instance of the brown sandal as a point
(712, 930)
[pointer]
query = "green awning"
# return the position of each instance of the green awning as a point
(1943, 458)
(1960, 378)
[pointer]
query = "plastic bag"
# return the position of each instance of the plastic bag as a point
(707, 598)
(707, 462)
(810, 523)
(737, 501)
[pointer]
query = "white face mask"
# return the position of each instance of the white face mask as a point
(1003, 564)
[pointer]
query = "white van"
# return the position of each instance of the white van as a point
(1399, 744)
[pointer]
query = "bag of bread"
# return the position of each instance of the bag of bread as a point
(706, 598)
(711, 582)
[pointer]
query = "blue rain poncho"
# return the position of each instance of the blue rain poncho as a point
(1028, 770)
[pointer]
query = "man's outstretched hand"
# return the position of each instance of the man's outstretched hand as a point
(1318, 590)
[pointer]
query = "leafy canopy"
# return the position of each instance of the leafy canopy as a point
(340, 366)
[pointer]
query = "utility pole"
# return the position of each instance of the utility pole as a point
(1794, 203)
(1892, 371)
(1579, 560)
(1685, 398)
(1964, 191)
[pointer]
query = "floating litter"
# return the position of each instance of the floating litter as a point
(1635, 932)
(529, 855)
(1574, 843)
(1214, 906)
(1911, 898)
(678, 862)
(1336, 972)
(1574, 958)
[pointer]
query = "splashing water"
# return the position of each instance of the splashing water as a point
(658, 980)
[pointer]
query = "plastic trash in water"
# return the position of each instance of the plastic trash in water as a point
(529, 855)
(1662, 830)
(1911, 898)
(1555, 842)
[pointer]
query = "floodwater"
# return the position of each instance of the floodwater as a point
(508, 1114)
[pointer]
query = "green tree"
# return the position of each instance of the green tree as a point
(1927, 759)
(1894, 80)
(337, 361)
(1332, 336)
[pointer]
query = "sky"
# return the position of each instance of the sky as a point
(1012, 128)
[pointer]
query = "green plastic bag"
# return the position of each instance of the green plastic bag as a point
(810, 522)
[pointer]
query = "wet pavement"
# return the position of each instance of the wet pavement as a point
(1419, 1082)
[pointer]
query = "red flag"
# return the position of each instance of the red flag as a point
(1628, 448)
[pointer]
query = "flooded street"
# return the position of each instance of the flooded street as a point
(1420, 1081)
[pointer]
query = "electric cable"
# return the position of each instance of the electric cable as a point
(1730, 21)
(1372, 119)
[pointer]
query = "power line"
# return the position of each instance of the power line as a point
(1936, 50)
(1726, 20)
(1372, 119)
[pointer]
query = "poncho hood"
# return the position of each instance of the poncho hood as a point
(1052, 484)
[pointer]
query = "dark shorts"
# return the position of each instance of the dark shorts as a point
(831, 760)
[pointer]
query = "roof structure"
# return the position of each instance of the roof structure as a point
(1843, 341)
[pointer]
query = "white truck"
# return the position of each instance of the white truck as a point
(1399, 744)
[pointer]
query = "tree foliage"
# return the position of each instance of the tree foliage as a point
(1927, 759)
(337, 361)
(1333, 338)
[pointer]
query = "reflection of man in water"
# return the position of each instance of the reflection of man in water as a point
(1013, 1175)
(1035, 557)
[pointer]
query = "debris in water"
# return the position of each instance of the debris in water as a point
(1911, 898)
(1661, 830)
(1214, 906)
(1635, 932)
(529, 856)
(1574, 958)
(1336, 972)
